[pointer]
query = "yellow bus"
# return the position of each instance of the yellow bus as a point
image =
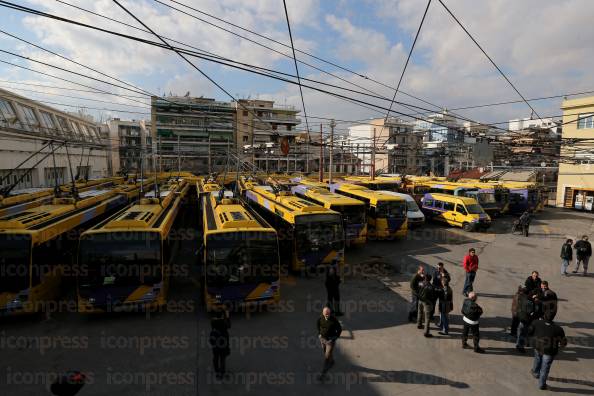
(352, 210)
(386, 213)
(124, 262)
(457, 211)
(241, 263)
(38, 245)
(309, 235)
(377, 184)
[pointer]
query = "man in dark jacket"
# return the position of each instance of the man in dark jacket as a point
(583, 251)
(514, 311)
(415, 283)
(532, 283)
(332, 290)
(329, 330)
(548, 338)
(446, 305)
(439, 274)
(427, 298)
(472, 313)
(219, 341)
(527, 312)
(548, 300)
(566, 256)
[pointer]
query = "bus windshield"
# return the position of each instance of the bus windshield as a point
(15, 254)
(120, 259)
(351, 214)
(314, 232)
(391, 209)
(474, 209)
(241, 258)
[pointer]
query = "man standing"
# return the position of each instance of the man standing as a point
(472, 313)
(427, 298)
(548, 337)
(533, 283)
(583, 251)
(415, 284)
(526, 314)
(439, 274)
(219, 341)
(549, 300)
(329, 330)
(446, 305)
(470, 264)
(514, 311)
(566, 256)
(332, 284)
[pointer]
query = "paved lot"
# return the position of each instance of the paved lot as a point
(379, 353)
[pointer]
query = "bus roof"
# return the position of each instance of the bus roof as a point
(325, 196)
(229, 214)
(364, 192)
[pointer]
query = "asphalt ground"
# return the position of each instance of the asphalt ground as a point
(276, 351)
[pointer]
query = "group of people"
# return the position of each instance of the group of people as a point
(534, 307)
(583, 251)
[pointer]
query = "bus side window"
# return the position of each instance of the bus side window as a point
(428, 202)
(438, 204)
(449, 206)
(461, 209)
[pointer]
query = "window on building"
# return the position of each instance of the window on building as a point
(47, 120)
(585, 121)
(245, 113)
(85, 131)
(54, 175)
(75, 128)
(64, 125)
(30, 117)
(289, 127)
(7, 113)
(274, 127)
(245, 138)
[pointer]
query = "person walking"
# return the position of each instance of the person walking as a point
(470, 264)
(514, 311)
(524, 222)
(446, 305)
(472, 313)
(549, 337)
(526, 314)
(329, 330)
(332, 290)
(548, 300)
(532, 283)
(583, 251)
(219, 341)
(415, 284)
(566, 256)
(427, 298)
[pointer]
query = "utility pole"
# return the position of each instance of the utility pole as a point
(160, 159)
(373, 157)
(357, 160)
(209, 159)
(307, 152)
(178, 156)
(332, 125)
(288, 154)
(321, 170)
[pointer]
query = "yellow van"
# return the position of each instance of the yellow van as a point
(456, 211)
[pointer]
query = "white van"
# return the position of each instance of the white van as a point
(413, 213)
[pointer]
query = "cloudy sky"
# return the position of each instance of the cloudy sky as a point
(545, 47)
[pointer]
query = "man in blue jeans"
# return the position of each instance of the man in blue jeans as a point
(548, 338)
(470, 265)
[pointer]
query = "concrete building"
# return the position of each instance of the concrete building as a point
(261, 128)
(192, 132)
(405, 148)
(26, 126)
(528, 123)
(131, 145)
(575, 185)
(369, 135)
(441, 127)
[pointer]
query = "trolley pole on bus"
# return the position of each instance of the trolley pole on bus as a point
(332, 125)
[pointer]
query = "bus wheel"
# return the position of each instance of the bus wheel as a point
(467, 227)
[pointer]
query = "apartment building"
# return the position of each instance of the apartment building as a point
(131, 145)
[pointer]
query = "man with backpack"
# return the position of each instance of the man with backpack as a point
(472, 313)
(583, 251)
(427, 298)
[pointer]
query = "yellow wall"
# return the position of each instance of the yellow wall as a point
(578, 175)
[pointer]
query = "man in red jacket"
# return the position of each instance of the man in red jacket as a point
(470, 265)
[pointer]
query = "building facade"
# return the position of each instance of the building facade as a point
(371, 139)
(528, 123)
(27, 127)
(575, 185)
(191, 133)
(131, 145)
